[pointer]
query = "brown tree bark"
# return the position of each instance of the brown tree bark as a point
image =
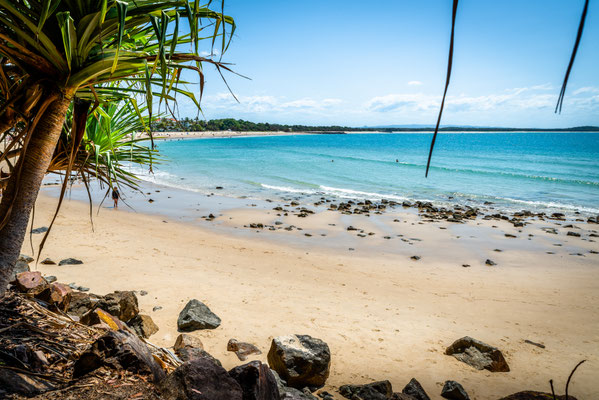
(33, 168)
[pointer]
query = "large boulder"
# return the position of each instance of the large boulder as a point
(119, 350)
(191, 353)
(381, 390)
(143, 325)
(195, 316)
(454, 391)
(256, 380)
(200, 379)
(415, 389)
(478, 354)
(301, 360)
(122, 305)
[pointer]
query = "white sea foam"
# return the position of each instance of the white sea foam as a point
(287, 189)
(357, 194)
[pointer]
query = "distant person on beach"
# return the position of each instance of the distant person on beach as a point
(115, 196)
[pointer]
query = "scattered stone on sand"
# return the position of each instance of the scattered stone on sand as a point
(553, 231)
(452, 390)
(532, 395)
(414, 389)
(143, 325)
(509, 235)
(539, 345)
(301, 360)
(466, 265)
(242, 349)
(415, 258)
(70, 261)
(121, 304)
(571, 233)
(41, 229)
(200, 379)
(490, 262)
(186, 340)
(119, 350)
(478, 354)
(195, 316)
(48, 261)
(157, 308)
(29, 280)
(256, 380)
(143, 293)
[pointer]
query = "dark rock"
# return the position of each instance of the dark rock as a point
(20, 266)
(414, 389)
(300, 360)
(122, 305)
(41, 229)
(571, 233)
(119, 350)
(48, 261)
(381, 390)
(196, 315)
(70, 261)
(539, 345)
(12, 382)
(82, 303)
(143, 325)
(191, 353)
(50, 278)
(200, 379)
(256, 380)
(241, 349)
(415, 258)
(478, 354)
(490, 262)
(454, 391)
(532, 395)
(550, 230)
(29, 280)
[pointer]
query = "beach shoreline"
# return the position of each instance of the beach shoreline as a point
(384, 314)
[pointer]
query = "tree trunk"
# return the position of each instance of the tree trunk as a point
(34, 166)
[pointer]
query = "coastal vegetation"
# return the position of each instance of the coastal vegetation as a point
(240, 125)
(57, 56)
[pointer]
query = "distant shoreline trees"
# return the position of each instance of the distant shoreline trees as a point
(240, 125)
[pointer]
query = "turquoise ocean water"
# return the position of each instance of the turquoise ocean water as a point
(536, 171)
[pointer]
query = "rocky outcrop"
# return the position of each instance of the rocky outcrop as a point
(29, 280)
(57, 295)
(301, 360)
(454, 391)
(143, 325)
(478, 354)
(70, 261)
(195, 316)
(242, 349)
(200, 379)
(120, 350)
(184, 340)
(256, 380)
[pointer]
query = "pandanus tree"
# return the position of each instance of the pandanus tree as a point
(58, 54)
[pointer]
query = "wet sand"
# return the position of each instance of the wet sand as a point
(383, 314)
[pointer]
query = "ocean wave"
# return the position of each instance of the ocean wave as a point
(357, 194)
(287, 189)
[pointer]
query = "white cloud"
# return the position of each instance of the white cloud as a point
(414, 83)
(265, 103)
(586, 89)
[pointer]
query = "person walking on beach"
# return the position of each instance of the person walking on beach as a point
(115, 196)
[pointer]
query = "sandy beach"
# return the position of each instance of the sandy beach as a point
(383, 314)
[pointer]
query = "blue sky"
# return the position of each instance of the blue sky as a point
(383, 62)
